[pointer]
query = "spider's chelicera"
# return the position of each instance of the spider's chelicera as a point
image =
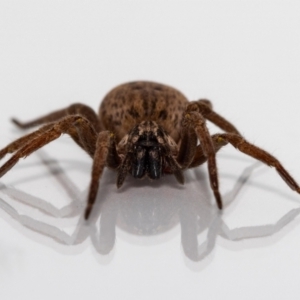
(146, 157)
(145, 129)
(149, 152)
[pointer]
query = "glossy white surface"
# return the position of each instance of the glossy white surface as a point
(162, 239)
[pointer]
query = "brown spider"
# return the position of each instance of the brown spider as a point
(145, 129)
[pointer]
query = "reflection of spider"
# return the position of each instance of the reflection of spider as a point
(145, 129)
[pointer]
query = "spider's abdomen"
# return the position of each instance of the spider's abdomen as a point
(131, 103)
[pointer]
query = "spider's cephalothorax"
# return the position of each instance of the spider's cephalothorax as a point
(144, 129)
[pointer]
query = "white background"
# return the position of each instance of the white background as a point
(244, 56)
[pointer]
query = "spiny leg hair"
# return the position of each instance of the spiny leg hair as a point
(82, 131)
(45, 135)
(101, 155)
(190, 155)
(194, 119)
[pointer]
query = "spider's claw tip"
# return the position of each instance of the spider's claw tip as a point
(17, 123)
(218, 200)
(220, 205)
(179, 176)
(87, 212)
(119, 184)
(120, 180)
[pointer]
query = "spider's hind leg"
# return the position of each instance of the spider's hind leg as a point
(105, 155)
(242, 145)
(204, 107)
(74, 109)
(81, 135)
(48, 133)
(17, 144)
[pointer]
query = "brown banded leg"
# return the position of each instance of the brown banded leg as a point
(83, 140)
(199, 157)
(175, 169)
(113, 158)
(17, 144)
(242, 145)
(74, 109)
(187, 148)
(46, 135)
(103, 149)
(204, 107)
(124, 169)
(194, 119)
(84, 135)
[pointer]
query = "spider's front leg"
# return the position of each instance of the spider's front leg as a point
(191, 155)
(194, 127)
(193, 121)
(105, 155)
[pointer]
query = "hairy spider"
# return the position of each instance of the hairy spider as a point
(145, 129)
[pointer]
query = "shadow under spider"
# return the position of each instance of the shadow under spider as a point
(134, 212)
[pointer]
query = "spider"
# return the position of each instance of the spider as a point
(145, 129)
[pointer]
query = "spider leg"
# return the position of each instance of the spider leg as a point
(194, 119)
(104, 146)
(123, 169)
(74, 109)
(176, 163)
(84, 135)
(242, 145)
(204, 106)
(17, 144)
(176, 169)
(48, 134)
(83, 140)
(187, 148)
(199, 157)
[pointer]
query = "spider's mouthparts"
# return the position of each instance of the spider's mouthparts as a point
(147, 161)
